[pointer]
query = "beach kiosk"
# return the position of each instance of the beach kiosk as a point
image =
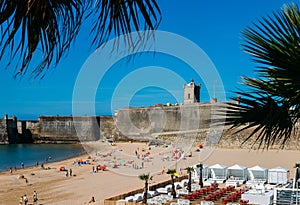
(237, 175)
(278, 175)
(237, 172)
(205, 172)
(218, 173)
(257, 174)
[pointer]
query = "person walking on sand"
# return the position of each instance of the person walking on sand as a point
(26, 180)
(22, 165)
(21, 200)
(70, 172)
(35, 198)
(92, 200)
(25, 199)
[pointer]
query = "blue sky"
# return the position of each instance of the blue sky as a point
(215, 26)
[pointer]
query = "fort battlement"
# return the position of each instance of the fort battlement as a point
(128, 123)
(192, 119)
(164, 123)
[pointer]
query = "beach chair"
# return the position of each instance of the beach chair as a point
(185, 182)
(232, 183)
(207, 203)
(153, 193)
(178, 185)
(162, 190)
(182, 192)
(183, 201)
(148, 195)
(129, 198)
(195, 187)
(138, 197)
(169, 188)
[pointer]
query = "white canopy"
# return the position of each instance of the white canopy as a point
(218, 171)
(237, 172)
(278, 175)
(258, 173)
(218, 166)
(278, 169)
(257, 168)
(237, 167)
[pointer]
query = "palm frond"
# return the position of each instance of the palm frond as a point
(145, 177)
(271, 106)
(269, 119)
(48, 27)
(189, 169)
(123, 17)
(171, 171)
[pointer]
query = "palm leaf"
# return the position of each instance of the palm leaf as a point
(48, 27)
(145, 177)
(270, 108)
(123, 17)
(272, 122)
(171, 171)
(189, 169)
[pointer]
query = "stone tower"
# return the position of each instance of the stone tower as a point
(191, 93)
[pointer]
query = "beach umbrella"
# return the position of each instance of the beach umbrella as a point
(62, 168)
(103, 167)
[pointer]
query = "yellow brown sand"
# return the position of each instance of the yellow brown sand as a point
(53, 187)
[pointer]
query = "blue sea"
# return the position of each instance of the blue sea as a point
(14, 154)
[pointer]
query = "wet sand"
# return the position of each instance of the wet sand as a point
(53, 187)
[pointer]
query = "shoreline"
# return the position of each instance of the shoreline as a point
(49, 162)
(32, 154)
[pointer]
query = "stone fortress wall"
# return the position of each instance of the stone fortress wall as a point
(192, 119)
(128, 123)
(164, 123)
(56, 129)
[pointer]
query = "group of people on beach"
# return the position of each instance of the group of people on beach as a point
(24, 199)
(15, 168)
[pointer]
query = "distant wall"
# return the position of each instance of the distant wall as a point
(68, 129)
(165, 123)
(144, 123)
(61, 129)
(129, 123)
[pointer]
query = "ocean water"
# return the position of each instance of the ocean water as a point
(14, 154)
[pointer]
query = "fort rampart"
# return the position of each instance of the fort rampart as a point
(158, 122)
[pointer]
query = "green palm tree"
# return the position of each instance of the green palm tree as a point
(189, 171)
(270, 105)
(145, 178)
(47, 28)
(200, 167)
(172, 173)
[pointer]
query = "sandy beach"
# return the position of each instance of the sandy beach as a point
(54, 187)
